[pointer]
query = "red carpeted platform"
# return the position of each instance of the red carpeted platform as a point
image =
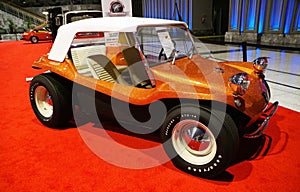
(36, 158)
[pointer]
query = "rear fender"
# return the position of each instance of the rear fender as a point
(65, 69)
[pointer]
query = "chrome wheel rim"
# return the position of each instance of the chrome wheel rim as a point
(34, 39)
(194, 142)
(43, 101)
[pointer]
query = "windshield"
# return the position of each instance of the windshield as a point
(161, 44)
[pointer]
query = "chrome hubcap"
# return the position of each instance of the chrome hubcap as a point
(43, 101)
(194, 142)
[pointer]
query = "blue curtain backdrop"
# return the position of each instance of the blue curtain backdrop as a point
(282, 13)
(166, 9)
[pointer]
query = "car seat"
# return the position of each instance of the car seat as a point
(139, 73)
(105, 69)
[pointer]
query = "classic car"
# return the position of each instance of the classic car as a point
(153, 73)
(37, 34)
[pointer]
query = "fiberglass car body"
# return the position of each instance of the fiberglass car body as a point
(37, 34)
(149, 72)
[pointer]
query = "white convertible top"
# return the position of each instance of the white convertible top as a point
(66, 33)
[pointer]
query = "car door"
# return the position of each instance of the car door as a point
(43, 34)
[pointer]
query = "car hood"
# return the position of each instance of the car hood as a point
(205, 79)
(201, 74)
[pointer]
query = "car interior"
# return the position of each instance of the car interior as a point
(128, 67)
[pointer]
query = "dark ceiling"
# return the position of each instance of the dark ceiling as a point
(42, 3)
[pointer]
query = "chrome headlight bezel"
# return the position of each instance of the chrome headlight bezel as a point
(239, 83)
(260, 64)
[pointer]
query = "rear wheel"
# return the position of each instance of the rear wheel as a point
(51, 100)
(34, 39)
(200, 142)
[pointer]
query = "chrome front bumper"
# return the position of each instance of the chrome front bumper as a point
(263, 122)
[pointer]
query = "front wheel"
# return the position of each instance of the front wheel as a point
(51, 100)
(34, 39)
(200, 142)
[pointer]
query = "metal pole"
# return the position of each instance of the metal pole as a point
(244, 46)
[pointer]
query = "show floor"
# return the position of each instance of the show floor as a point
(283, 72)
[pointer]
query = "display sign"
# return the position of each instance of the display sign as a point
(116, 8)
(166, 41)
(111, 39)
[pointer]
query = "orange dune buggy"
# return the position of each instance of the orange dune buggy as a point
(152, 73)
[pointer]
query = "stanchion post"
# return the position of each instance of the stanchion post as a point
(244, 47)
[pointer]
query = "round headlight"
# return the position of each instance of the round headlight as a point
(239, 83)
(260, 64)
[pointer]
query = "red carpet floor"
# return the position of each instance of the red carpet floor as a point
(36, 158)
